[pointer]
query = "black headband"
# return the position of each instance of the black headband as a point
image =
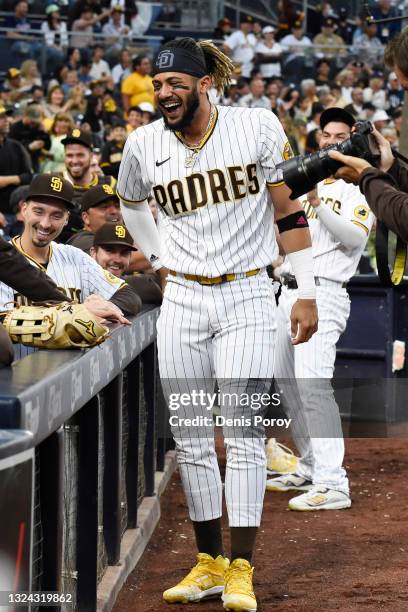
(179, 60)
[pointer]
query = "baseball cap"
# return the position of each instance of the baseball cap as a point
(380, 115)
(392, 77)
(12, 73)
(336, 114)
(51, 186)
(78, 136)
(97, 195)
(146, 107)
(246, 19)
(268, 30)
(328, 22)
(297, 24)
(117, 8)
(52, 8)
(113, 233)
(118, 122)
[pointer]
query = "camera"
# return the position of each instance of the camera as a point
(303, 172)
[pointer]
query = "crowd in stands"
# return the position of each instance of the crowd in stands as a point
(71, 114)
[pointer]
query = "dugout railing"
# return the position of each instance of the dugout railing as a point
(79, 449)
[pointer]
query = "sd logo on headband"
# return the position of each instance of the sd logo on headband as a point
(165, 59)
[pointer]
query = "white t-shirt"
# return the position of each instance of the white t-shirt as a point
(100, 70)
(243, 50)
(274, 68)
(294, 46)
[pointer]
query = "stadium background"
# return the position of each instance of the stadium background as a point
(61, 557)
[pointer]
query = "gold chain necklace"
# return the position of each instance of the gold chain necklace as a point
(194, 149)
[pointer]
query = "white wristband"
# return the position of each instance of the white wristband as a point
(302, 266)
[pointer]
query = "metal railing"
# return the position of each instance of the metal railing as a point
(79, 447)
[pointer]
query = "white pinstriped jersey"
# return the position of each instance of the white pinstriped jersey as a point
(331, 259)
(217, 216)
(75, 273)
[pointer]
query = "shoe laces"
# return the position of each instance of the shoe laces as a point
(204, 565)
(238, 579)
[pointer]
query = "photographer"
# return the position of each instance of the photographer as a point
(385, 187)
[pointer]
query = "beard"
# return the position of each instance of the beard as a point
(193, 103)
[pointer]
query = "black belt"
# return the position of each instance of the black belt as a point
(290, 282)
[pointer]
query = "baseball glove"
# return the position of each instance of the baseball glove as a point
(63, 326)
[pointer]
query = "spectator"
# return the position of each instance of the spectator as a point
(95, 168)
(346, 80)
(240, 45)
(344, 28)
(84, 73)
(314, 123)
(397, 118)
(287, 15)
(117, 33)
(309, 92)
(395, 93)
(138, 86)
(15, 164)
(100, 70)
(61, 126)
(369, 46)
(25, 44)
(386, 31)
(375, 93)
(15, 85)
(112, 248)
(380, 120)
(223, 29)
(122, 68)
(55, 37)
(82, 28)
(256, 97)
(113, 150)
(30, 75)
(269, 54)
(74, 58)
(323, 68)
(327, 41)
(134, 118)
(356, 106)
(95, 7)
(93, 114)
(147, 112)
(30, 133)
(55, 102)
(295, 46)
(17, 200)
(70, 80)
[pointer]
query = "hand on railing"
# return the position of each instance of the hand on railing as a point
(104, 309)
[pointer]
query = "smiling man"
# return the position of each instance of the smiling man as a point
(213, 173)
(46, 212)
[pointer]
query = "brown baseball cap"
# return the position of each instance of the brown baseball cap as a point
(78, 136)
(113, 233)
(51, 186)
(98, 195)
(12, 73)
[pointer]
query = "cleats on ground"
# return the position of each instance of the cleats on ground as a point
(320, 498)
(289, 482)
(239, 593)
(205, 580)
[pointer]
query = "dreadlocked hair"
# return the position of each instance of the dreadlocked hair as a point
(219, 65)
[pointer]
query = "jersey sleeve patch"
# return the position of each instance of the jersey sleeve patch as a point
(361, 212)
(112, 279)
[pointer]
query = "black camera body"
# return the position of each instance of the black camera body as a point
(302, 173)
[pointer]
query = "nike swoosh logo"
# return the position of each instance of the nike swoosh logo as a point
(162, 162)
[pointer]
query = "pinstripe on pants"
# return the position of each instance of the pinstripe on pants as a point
(224, 332)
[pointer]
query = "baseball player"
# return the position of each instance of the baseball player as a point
(340, 222)
(77, 274)
(78, 147)
(212, 171)
(112, 249)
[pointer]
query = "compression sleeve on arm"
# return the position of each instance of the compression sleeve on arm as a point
(343, 230)
(127, 300)
(140, 223)
(302, 266)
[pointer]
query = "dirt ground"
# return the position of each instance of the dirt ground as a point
(347, 560)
